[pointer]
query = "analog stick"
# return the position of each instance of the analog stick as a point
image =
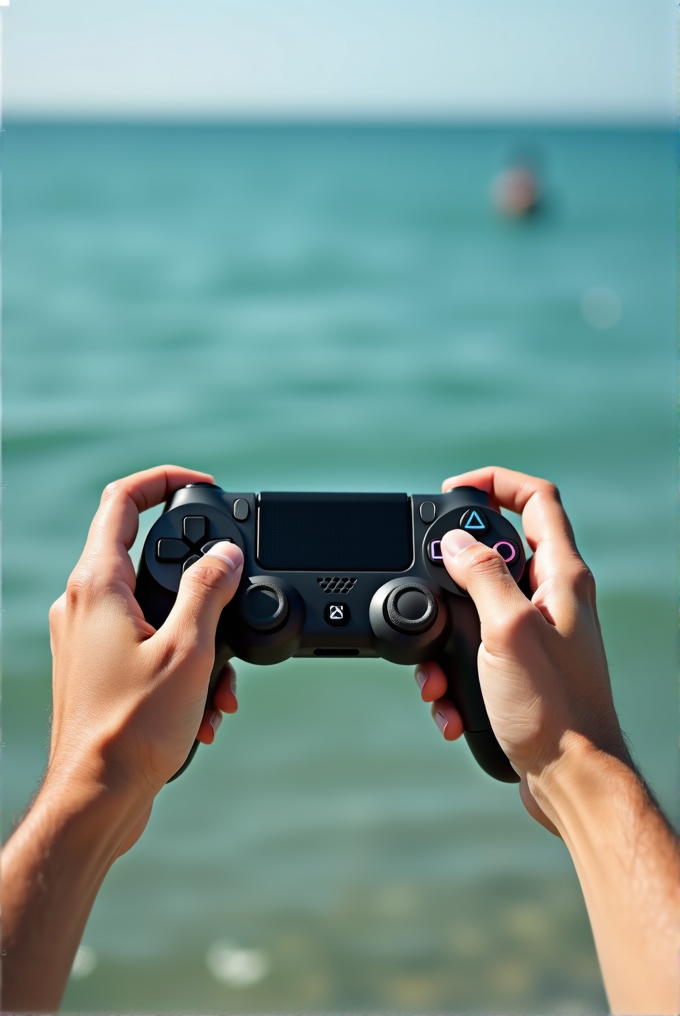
(264, 606)
(411, 608)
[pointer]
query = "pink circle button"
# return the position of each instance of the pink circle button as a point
(507, 550)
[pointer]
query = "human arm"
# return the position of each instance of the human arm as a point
(128, 703)
(545, 681)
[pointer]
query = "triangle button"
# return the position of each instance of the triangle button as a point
(474, 521)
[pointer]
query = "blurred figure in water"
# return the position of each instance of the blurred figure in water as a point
(517, 192)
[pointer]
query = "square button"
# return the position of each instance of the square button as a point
(434, 552)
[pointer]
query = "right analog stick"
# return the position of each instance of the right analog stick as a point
(264, 606)
(411, 608)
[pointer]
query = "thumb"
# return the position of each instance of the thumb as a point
(205, 590)
(483, 573)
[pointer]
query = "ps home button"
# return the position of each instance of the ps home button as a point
(474, 521)
(336, 614)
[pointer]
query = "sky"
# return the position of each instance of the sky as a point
(579, 60)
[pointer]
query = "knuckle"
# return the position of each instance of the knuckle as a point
(551, 491)
(510, 630)
(77, 588)
(112, 491)
(56, 613)
(582, 581)
(83, 586)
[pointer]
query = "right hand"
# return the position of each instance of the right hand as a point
(542, 665)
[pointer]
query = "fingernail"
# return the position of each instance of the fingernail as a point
(441, 721)
(229, 552)
(456, 540)
(215, 720)
(421, 678)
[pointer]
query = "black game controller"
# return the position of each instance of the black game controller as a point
(343, 575)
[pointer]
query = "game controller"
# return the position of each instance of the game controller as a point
(338, 575)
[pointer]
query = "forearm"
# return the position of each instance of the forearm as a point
(627, 861)
(52, 868)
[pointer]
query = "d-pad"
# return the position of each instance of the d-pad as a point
(191, 547)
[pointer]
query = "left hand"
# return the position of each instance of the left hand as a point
(128, 700)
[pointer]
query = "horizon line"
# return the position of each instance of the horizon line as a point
(255, 119)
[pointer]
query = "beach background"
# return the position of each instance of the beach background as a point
(338, 307)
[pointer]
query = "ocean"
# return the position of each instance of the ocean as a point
(339, 308)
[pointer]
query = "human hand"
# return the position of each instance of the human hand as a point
(542, 666)
(128, 700)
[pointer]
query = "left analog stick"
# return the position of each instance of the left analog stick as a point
(264, 606)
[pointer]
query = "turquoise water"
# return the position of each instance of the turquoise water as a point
(338, 308)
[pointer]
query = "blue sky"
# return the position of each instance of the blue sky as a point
(597, 60)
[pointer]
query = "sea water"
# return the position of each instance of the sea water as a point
(339, 308)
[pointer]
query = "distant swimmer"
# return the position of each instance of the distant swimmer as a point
(516, 192)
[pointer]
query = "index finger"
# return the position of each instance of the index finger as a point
(114, 527)
(536, 500)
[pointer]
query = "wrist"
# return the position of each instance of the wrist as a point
(584, 782)
(94, 817)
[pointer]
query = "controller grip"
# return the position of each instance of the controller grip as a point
(459, 663)
(488, 754)
(220, 659)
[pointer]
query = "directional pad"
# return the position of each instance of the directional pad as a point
(190, 548)
(171, 550)
(195, 528)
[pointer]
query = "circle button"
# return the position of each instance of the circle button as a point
(507, 550)
(411, 608)
(264, 606)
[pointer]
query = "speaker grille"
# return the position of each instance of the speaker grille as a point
(334, 584)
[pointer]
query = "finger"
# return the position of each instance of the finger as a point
(558, 577)
(224, 698)
(483, 573)
(114, 527)
(209, 726)
(204, 591)
(432, 682)
(448, 719)
(536, 500)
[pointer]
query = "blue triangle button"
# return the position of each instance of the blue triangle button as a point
(474, 520)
